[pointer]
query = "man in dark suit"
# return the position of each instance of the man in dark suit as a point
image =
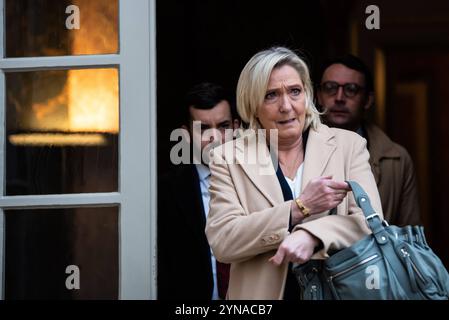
(187, 269)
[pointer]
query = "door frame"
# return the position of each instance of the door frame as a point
(136, 196)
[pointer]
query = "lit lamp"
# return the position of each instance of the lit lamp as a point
(77, 107)
(90, 99)
(86, 108)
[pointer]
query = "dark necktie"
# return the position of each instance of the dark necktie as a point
(222, 279)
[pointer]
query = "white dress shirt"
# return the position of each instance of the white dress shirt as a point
(204, 176)
(295, 184)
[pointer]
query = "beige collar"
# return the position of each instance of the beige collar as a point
(253, 155)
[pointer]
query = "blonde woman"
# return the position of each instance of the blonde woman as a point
(266, 214)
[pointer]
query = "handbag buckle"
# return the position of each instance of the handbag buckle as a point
(371, 216)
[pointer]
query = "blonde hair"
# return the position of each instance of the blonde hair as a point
(253, 82)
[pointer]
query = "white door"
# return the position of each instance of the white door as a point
(77, 149)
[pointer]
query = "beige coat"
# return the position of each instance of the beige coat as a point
(395, 177)
(249, 218)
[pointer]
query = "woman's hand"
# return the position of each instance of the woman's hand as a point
(297, 247)
(319, 195)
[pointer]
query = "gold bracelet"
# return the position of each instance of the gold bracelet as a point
(305, 211)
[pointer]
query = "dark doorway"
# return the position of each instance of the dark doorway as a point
(417, 90)
(212, 40)
(198, 41)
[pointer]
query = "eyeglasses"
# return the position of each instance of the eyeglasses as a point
(349, 89)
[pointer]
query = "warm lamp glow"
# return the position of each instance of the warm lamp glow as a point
(88, 100)
(93, 100)
(57, 139)
(93, 93)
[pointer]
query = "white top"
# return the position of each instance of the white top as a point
(204, 176)
(295, 184)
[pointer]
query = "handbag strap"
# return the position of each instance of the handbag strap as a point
(372, 218)
(386, 245)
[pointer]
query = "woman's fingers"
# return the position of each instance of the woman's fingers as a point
(282, 255)
(297, 247)
(278, 258)
(323, 194)
(338, 185)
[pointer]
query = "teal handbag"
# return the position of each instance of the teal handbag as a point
(391, 263)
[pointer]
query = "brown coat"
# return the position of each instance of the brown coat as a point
(393, 170)
(249, 218)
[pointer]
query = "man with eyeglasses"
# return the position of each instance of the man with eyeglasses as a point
(345, 94)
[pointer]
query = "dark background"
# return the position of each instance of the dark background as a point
(409, 55)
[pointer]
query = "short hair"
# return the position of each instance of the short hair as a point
(205, 96)
(352, 62)
(254, 78)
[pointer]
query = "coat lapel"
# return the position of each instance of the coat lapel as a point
(253, 155)
(319, 149)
